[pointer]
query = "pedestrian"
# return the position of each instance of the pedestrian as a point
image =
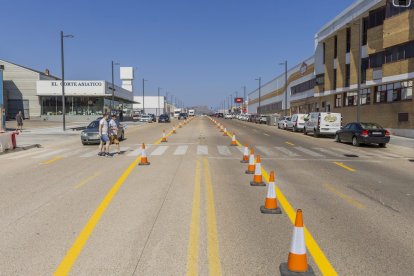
(103, 134)
(113, 133)
(19, 120)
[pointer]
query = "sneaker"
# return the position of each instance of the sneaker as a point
(107, 154)
(101, 154)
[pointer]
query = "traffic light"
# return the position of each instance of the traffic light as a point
(401, 3)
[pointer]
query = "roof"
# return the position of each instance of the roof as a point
(31, 69)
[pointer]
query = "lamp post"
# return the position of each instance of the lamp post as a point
(158, 110)
(286, 85)
(244, 96)
(260, 87)
(359, 71)
(62, 58)
(113, 86)
(143, 95)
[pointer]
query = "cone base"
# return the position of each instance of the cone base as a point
(233, 145)
(144, 164)
(252, 183)
(244, 161)
(163, 141)
(270, 211)
(249, 172)
(284, 271)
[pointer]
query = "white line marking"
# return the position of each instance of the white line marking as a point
(27, 153)
(265, 150)
(90, 153)
(286, 151)
(50, 153)
(202, 150)
(309, 152)
(329, 152)
(180, 150)
(223, 150)
(266, 134)
(160, 150)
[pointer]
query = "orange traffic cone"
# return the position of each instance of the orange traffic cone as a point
(221, 128)
(144, 159)
(225, 132)
(174, 130)
(257, 178)
(297, 263)
(179, 125)
(270, 206)
(164, 138)
(251, 166)
(233, 140)
(245, 155)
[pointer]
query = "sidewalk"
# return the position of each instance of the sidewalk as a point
(402, 141)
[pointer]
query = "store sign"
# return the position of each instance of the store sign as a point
(238, 100)
(72, 88)
(77, 83)
(303, 68)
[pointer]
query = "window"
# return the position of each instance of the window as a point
(323, 52)
(338, 100)
(391, 10)
(406, 90)
(347, 74)
(376, 17)
(365, 96)
(381, 94)
(302, 87)
(402, 117)
(364, 31)
(270, 108)
(350, 98)
(334, 79)
(320, 79)
(364, 67)
(376, 60)
(348, 40)
(335, 47)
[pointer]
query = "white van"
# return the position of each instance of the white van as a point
(322, 123)
(296, 123)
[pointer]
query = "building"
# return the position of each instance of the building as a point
(272, 95)
(378, 38)
(152, 104)
(39, 94)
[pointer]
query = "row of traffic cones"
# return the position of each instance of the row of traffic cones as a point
(297, 263)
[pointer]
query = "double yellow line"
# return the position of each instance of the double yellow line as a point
(213, 254)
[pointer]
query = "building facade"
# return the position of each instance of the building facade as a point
(153, 104)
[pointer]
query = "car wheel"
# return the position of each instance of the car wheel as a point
(383, 145)
(294, 129)
(337, 139)
(315, 133)
(83, 143)
(355, 142)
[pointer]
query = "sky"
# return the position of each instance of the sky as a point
(200, 51)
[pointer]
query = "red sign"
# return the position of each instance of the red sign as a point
(238, 100)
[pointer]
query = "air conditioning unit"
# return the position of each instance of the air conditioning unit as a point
(401, 3)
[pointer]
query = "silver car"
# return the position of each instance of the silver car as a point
(282, 123)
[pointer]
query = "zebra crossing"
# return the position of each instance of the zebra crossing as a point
(224, 151)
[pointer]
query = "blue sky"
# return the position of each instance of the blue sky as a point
(199, 50)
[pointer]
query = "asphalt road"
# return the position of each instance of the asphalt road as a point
(65, 210)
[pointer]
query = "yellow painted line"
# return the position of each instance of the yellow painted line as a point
(193, 243)
(214, 265)
(86, 180)
(318, 256)
(316, 252)
(345, 197)
(57, 158)
(344, 166)
(290, 144)
(73, 253)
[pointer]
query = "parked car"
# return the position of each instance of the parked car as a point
(164, 118)
(262, 119)
(363, 133)
(153, 117)
(145, 118)
(228, 116)
(296, 123)
(220, 115)
(322, 123)
(182, 116)
(90, 135)
(252, 118)
(282, 123)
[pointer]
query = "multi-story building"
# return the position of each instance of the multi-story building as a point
(378, 38)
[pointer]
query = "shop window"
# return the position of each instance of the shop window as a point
(351, 98)
(365, 96)
(381, 94)
(407, 90)
(338, 100)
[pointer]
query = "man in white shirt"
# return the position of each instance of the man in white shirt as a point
(103, 134)
(113, 132)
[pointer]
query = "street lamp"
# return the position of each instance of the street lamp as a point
(159, 88)
(143, 95)
(244, 96)
(260, 87)
(62, 58)
(286, 85)
(113, 86)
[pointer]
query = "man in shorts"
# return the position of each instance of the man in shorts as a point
(103, 134)
(113, 133)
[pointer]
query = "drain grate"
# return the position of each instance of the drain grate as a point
(351, 155)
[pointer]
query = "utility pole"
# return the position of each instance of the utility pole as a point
(359, 72)
(62, 59)
(260, 87)
(158, 101)
(286, 89)
(244, 96)
(143, 95)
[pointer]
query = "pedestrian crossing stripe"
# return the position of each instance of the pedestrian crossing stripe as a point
(309, 152)
(159, 151)
(202, 150)
(181, 150)
(224, 150)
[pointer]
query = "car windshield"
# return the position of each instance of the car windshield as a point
(93, 124)
(371, 126)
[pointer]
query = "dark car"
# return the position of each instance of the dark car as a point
(91, 133)
(153, 118)
(363, 133)
(182, 116)
(164, 118)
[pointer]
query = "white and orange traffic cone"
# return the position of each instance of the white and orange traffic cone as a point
(174, 130)
(251, 166)
(233, 140)
(297, 263)
(164, 138)
(221, 128)
(144, 159)
(245, 155)
(180, 125)
(270, 206)
(257, 178)
(225, 132)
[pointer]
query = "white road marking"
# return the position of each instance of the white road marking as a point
(241, 149)
(90, 153)
(74, 152)
(267, 151)
(266, 134)
(202, 150)
(180, 150)
(329, 152)
(286, 151)
(24, 154)
(160, 150)
(309, 152)
(135, 152)
(49, 153)
(224, 150)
